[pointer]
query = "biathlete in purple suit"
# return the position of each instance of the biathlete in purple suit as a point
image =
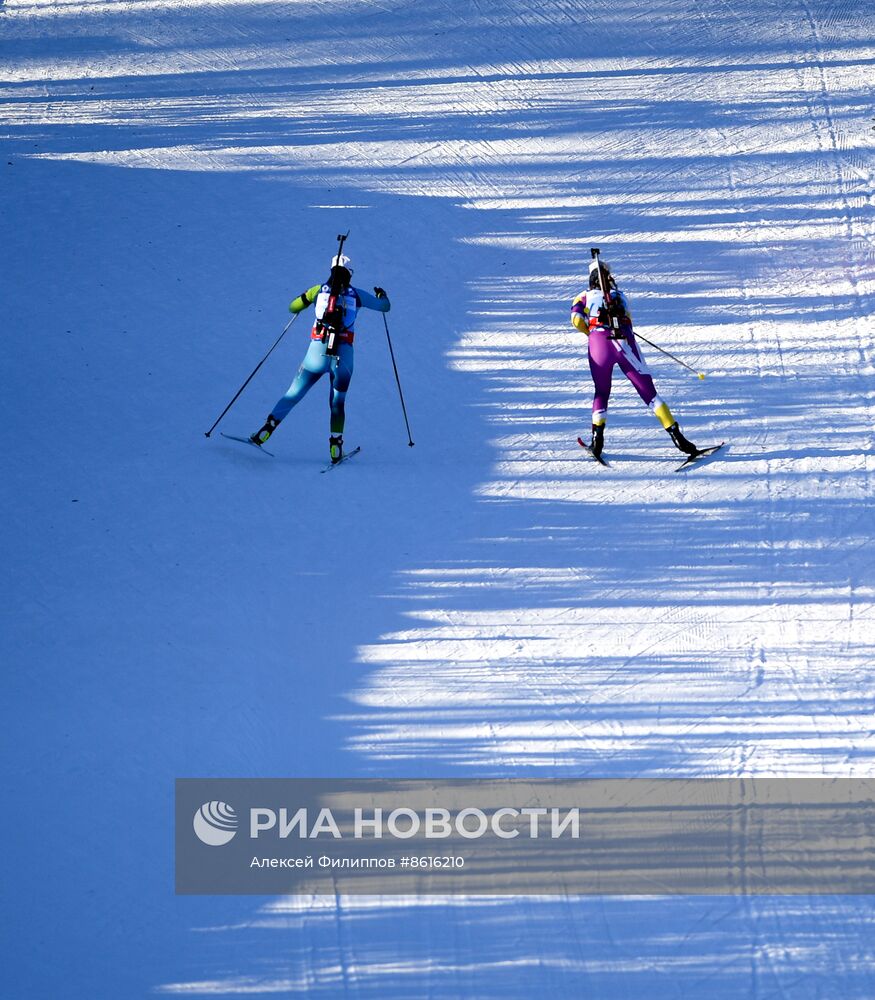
(609, 347)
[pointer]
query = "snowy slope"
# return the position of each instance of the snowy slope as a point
(486, 603)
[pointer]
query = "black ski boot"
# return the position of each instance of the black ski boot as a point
(598, 440)
(335, 448)
(680, 442)
(270, 425)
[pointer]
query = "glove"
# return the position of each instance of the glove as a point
(380, 293)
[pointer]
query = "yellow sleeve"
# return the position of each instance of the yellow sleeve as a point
(304, 299)
(578, 315)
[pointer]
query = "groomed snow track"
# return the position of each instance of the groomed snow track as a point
(488, 603)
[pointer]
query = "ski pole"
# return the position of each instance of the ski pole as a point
(668, 354)
(398, 381)
(254, 370)
(594, 252)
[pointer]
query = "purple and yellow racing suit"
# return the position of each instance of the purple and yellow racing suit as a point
(608, 347)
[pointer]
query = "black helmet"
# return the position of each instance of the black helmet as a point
(606, 276)
(341, 275)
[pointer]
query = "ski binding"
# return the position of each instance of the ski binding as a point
(591, 453)
(700, 454)
(249, 441)
(342, 459)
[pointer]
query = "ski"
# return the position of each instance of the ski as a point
(591, 453)
(252, 444)
(349, 454)
(700, 454)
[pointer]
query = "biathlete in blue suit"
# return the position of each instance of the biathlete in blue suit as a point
(330, 351)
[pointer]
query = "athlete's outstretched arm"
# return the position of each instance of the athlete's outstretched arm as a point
(372, 302)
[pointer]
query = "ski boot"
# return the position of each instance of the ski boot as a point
(270, 425)
(680, 442)
(335, 448)
(598, 440)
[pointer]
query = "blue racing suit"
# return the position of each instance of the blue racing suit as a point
(317, 362)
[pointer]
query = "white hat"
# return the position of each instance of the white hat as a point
(342, 261)
(593, 264)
